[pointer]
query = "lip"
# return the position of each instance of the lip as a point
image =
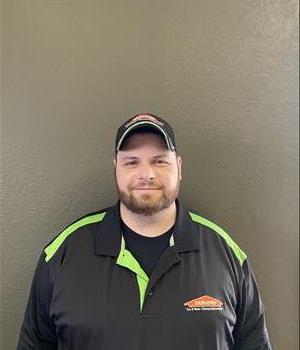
(147, 189)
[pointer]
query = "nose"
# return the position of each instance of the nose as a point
(146, 172)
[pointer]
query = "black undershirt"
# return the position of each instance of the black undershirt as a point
(146, 250)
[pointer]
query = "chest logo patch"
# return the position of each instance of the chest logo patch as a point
(204, 303)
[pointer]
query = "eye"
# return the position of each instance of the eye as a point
(133, 162)
(160, 162)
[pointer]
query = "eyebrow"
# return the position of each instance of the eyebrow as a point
(163, 155)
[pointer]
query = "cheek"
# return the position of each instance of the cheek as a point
(174, 180)
(171, 178)
(123, 179)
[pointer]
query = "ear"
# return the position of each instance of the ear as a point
(179, 163)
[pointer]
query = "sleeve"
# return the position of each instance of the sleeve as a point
(38, 330)
(250, 332)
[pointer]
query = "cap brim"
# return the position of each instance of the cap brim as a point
(147, 124)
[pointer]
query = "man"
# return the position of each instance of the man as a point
(146, 273)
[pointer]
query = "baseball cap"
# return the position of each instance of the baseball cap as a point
(146, 121)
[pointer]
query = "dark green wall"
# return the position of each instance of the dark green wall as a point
(225, 73)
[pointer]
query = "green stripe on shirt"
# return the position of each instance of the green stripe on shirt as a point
(51, 249)
(239, 253)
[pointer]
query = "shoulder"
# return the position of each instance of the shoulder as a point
(216, 232)
(89, 221)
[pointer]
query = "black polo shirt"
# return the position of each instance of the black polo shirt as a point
(90, 293)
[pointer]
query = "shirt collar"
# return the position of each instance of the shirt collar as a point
(109, 237)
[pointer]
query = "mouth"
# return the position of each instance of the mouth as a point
(146, 189)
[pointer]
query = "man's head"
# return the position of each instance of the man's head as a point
(147, 167)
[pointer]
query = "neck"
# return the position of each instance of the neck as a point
(150, 226)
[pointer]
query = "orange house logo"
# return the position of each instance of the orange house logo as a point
(204, 303)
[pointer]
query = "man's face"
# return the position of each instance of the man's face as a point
(147, 174)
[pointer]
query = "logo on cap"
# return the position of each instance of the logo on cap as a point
(144, 117)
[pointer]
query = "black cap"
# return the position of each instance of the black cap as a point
(146, 121)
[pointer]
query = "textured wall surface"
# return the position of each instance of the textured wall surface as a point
(225, 73)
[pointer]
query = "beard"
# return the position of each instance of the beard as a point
(145, 204)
